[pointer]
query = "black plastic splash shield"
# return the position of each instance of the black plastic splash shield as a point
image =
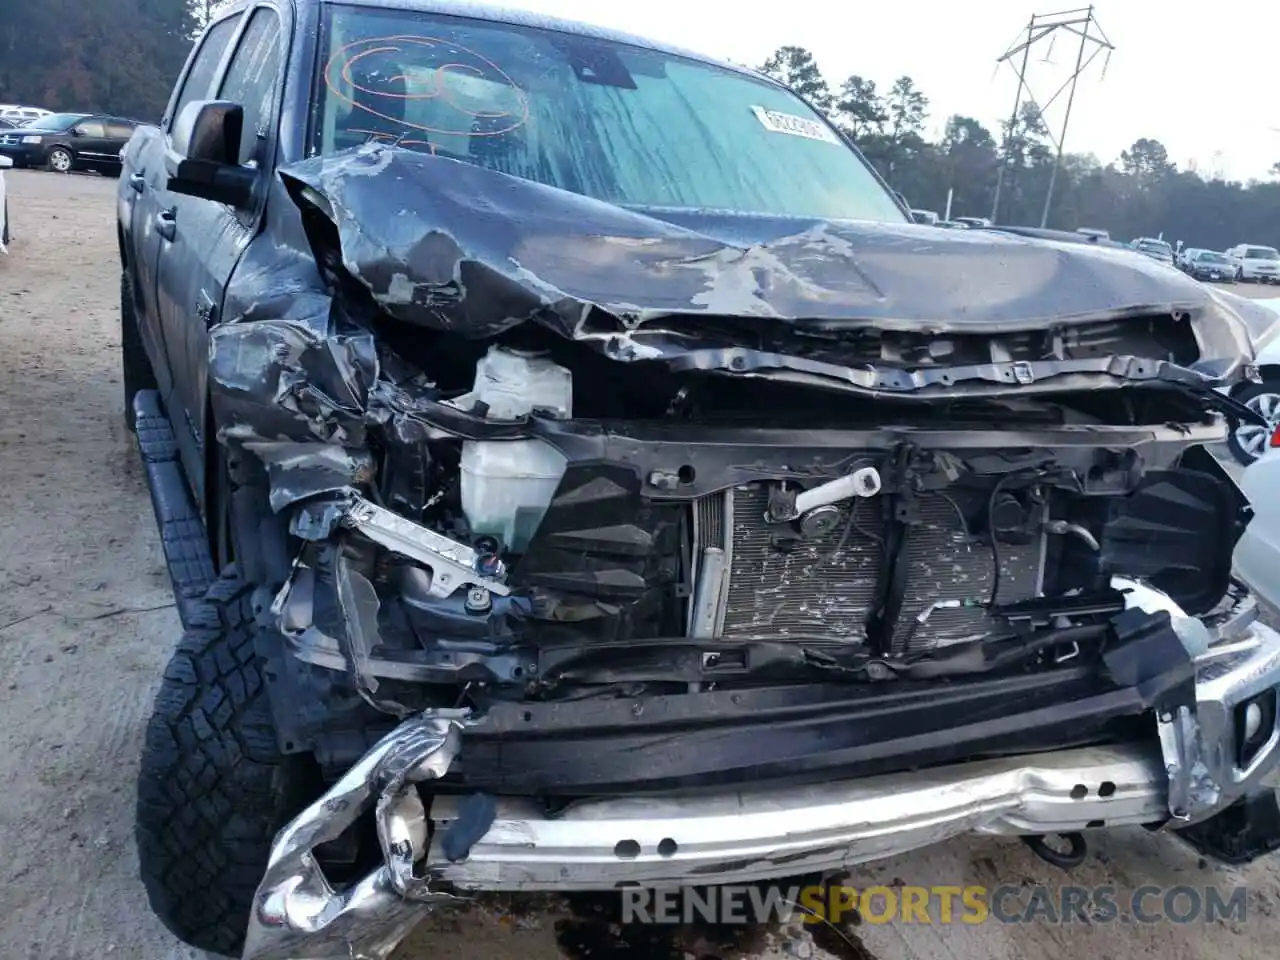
(805, 733)
(1245, 831)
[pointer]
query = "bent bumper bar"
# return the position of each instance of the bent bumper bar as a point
(743, 835)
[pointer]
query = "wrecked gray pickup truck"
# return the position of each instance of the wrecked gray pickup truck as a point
(575, 470)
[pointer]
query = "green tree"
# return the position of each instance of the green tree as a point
(796, 67)
(51, 54)
(907, 108)
(899, 142)
(1147, 160)
(969, 164)
(860, 111)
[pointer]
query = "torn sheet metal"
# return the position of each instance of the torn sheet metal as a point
(457, 247)
(382, 231)
(296, 914)
(300, 470)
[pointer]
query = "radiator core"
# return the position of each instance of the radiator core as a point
(824, 588)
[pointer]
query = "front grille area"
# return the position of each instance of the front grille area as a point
(825, 587)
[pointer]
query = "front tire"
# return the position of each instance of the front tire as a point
(60, 160)
(214, 787)
(1249, 441)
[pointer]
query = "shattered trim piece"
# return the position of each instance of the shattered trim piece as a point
(297, 915)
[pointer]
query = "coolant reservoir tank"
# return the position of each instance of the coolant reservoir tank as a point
(508, 485)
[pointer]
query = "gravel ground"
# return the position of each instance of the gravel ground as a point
(86, 624)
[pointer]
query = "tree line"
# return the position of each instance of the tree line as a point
(122, 57)
(110, 56)
(1143, 193)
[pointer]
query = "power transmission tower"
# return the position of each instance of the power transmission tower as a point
(1083, 23)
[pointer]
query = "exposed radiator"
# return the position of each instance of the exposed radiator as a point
(825, 587)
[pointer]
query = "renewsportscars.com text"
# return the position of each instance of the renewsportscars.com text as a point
(939, 904)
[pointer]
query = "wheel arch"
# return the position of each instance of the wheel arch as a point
(1270, 373)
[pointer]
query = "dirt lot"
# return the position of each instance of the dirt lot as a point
(86, 624)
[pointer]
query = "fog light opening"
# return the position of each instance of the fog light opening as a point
(1255, 722)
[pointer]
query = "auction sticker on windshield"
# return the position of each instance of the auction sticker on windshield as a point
(796, 126)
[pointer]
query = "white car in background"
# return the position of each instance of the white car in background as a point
(20, 114)
(1257, 555)
(1249, 441)
(4, 207)
(1255, 263)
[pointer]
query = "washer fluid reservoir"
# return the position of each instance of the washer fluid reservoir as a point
(507, 485)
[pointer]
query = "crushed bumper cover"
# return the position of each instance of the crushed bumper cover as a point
(744, 835)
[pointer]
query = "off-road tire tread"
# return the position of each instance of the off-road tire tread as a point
(212, 789)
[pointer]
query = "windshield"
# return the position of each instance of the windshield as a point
(611, 121)
(56, 122)
(1208, 256)
(1261, 253)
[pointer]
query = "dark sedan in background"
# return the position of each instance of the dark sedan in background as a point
(63, 142)
(1208, 265)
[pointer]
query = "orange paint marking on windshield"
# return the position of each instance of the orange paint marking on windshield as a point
(346, 58)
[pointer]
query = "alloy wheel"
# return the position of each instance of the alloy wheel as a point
(1253, 438)
(60, 161)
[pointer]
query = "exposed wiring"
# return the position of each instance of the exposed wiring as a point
(918, 620)
(853, 519)
(964, 521)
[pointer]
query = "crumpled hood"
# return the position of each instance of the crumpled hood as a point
(456, 247)
(425, 233)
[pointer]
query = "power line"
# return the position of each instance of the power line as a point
(1080, 22)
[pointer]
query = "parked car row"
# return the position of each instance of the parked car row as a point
(1245, 263)
(63, 142)
(17, 114)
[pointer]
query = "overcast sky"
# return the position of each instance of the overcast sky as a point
(1201, 78)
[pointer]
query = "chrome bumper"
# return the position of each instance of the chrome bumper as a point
(737, 836)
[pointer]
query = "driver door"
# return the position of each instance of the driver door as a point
(202, 240)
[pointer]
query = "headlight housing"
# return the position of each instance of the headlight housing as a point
(30, 139)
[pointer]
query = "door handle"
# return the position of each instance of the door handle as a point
(138, 182)
(167, 223)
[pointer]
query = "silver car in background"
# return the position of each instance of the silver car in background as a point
(1153, 248)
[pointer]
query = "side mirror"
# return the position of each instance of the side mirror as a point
(77, 132)
(202, 156)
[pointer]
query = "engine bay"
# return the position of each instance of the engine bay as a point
(578, 557)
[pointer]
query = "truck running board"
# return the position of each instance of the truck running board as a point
(182, 534)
